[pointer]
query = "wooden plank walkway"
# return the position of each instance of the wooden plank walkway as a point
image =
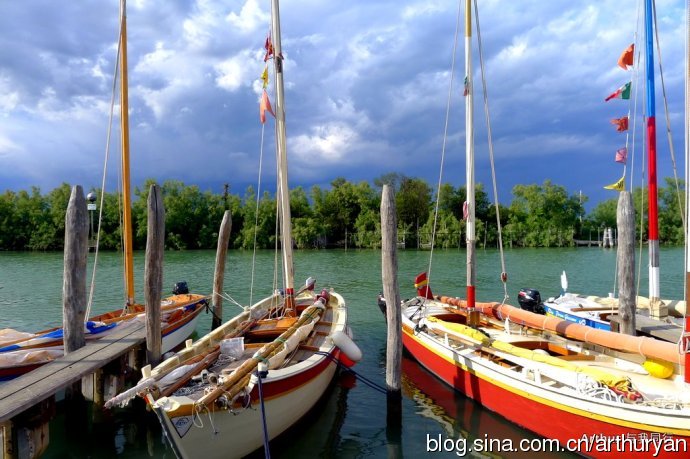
(21, 393)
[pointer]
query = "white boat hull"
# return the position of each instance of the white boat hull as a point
(200, 437)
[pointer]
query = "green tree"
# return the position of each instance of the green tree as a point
(670, 212)
(412, 203)
(544, 216)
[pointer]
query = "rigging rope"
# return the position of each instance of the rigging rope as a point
(504, 273)
(92, 287)
(445, 138)
(256, 215)
(668, 120)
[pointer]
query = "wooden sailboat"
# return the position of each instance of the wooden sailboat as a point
(597, 393)
(247, 381)
(22, 352)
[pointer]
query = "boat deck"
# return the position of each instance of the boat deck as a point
(264, 332)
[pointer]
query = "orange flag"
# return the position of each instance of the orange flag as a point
(627, 57)
(264, 106)
(620, 123)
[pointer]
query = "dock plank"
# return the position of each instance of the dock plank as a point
(27, 390)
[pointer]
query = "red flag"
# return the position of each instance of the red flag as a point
(626, 58)
(264, 106)
(621, 155)
(621, 123)
(269, 48)
(465, 211)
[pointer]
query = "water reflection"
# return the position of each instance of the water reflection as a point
(462, 419)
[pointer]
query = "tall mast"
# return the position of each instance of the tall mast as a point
(124, 128)
(469, 165)
(654, 294)
(686, 335)
(281, 146)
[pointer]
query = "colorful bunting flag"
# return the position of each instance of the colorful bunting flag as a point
(620, 123)
(622, 155)
(265, 106)
(269, 48)
(621, 93)
(618, 186)
(465, 211)
(264, 77)
(627, 57)
(466, 91)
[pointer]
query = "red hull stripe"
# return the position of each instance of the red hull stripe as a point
(281, 387)
(528, 412)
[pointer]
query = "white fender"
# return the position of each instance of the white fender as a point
(347, 346)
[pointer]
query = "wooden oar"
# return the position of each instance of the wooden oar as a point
(200, 366)
(245, 370)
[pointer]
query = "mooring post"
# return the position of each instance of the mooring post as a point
(389, 274)
(74, 272)
(625, 219)
(153, 273)
(219, 273)
(74, 301)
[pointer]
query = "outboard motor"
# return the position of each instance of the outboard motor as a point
(180, 288)
(530, 300)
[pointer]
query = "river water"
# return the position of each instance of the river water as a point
(350, 422)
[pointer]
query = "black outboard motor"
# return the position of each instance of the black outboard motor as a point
(180, 288)
(530, 300)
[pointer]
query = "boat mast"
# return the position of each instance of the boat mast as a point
(281, 146)
(469, 167)
(654, 293)
(124, 128)
(686, 335)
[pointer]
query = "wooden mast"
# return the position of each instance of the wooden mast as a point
(124, 128)
(469, 169)
(281, 146)
(686, 335)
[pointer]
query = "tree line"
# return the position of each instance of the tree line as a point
(344, 215)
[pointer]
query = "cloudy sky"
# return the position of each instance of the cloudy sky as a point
(367, 85)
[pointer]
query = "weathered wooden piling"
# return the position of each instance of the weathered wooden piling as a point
(219, 273)
(153, 273)
(389, 274)
(625, 219)
(74, 273)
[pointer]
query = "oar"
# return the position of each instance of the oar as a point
(200, 366)
(244, 370)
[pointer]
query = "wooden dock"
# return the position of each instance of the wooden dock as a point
(22, 393)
